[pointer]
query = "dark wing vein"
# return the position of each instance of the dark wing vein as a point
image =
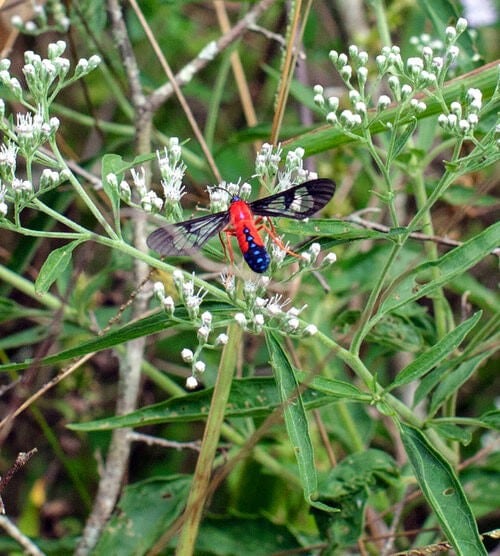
(181, 238)
(298, 202)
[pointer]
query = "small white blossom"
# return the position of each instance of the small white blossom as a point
(150, 202)
(452, 53)
(228, 282)
(319, 100)
(341, 60)
(178, 277)
(475, 99)
(125, 191)
(331, 118)
(139, 179)
(199, 367)
(203, 333)
(221, 340)
(206, 318)
(169, 304)
(383, 102)
(187, 355)
(310, 330)
(349, 120)
(245, 190)
(278, 254)
(258, 321)
(192, 304)
(306, 257)
(464, 126)
(334, 56)
(260, 302)
(330, 258)
(451, 34)
(346, 73)
(191, 383)
(333, 103)
(8, 154)
(240, 319)
(406, 91)
(3, 205)
(461, 25)
(159, 289)
(56, 49)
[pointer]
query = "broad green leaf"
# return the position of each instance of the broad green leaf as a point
(143, 327)
(249, 397)
(146, 510)
(339, 229)
(418, 282)
(434, 355)
(54, 265)
(295, 419)
(396, 333)
(348, 486)
(450, 431)
(459, 195)
(443, 492)
(454, 380)
(491, 419)
(244, 535)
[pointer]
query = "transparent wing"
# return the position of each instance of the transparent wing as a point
(298, 202)
(181, 238)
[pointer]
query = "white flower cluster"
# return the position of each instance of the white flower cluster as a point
(425, 72)
(269, 312)
(43, 13)
(204, 322)
(462, 120)
(267, 167)
(45, 77)
(172, 170)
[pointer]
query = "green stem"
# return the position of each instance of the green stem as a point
(380, 16)
(201, 479)
(430, 248)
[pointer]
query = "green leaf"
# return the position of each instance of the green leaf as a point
(348, 486)
(402, 140)
(54, 266)
(430, 358)
(454, 380)
(417, 282)
(143, 327)
(341, 230)
(146, 510)
(443, 492)
(295, 419)
(491, 419)
(249, 397)
(226, 537)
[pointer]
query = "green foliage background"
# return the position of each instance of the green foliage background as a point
(378, 434)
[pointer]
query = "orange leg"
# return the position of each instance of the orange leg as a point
(229, 251)
(269, 228)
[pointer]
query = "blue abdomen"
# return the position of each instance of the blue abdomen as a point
(257, 258)
(256, 255)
